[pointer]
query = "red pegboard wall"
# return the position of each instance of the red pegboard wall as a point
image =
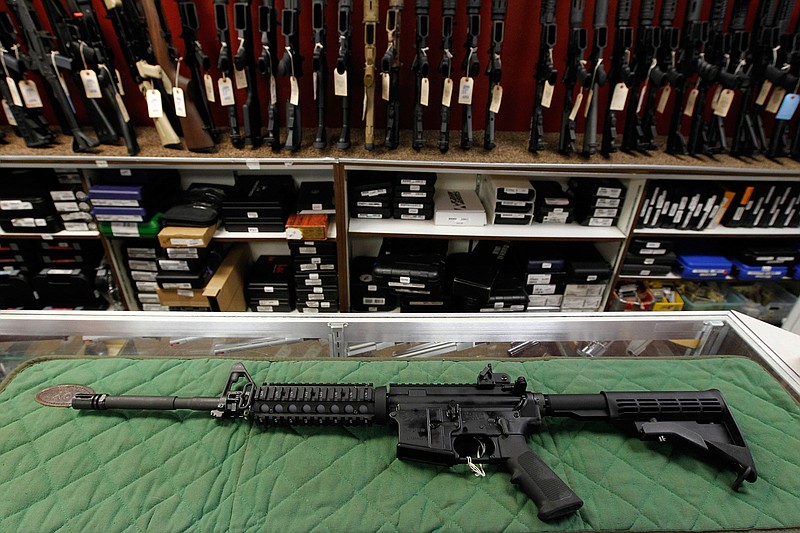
(519, 57)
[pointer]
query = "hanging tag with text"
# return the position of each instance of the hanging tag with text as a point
(788, 107)
(209, 85)
(9, 115)
(424, 91)
(339, 83)
(30, 94)
(691, 100)
(273, 90)
(91, 86)
(619, 97)
(589, 98)
(724, 103)
(315, 83)
(576, 106)
(180, 102)
(447, 92)
(385, 89)
(547, 94)
(294, 97)
(154, 107)
(241, 79)
(663, 99)
(226, 92)
(764, 92)
(465, 91)
(497, 99)
(775, 100)
(12, 87)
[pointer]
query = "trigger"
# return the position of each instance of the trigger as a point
(504, 428)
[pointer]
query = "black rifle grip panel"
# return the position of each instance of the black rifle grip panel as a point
(553, 498)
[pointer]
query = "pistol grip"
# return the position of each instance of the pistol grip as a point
(551, 495)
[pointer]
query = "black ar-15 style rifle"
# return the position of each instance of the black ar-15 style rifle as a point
(344, 67)
(446, 70)
(268, 67)
(546, 75)
(598, 77)
(225, 65)
(494, 71)
(471, 67)
(291, 65)
(42, 58)
(421, 68)
(244, 71)
(488, 422)
(620, 76)
(319, 63)
(575, 75)
(390, 66)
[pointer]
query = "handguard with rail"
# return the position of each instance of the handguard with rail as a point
(487, 422)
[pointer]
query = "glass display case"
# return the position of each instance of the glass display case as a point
(25, 335)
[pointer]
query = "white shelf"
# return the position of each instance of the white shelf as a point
(426, 228)
(720, 231)
(50, 236)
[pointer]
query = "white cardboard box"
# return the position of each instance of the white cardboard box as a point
(458, 208)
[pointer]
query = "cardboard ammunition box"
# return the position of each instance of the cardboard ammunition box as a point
(186, 237)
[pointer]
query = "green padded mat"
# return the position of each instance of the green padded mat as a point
(63, 470)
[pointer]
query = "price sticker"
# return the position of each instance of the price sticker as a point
(91, 86)
(547, 94)
(154, 107)
(226, 92)
(724, 103)
(691, 100)
(385, 86)
(241, 79)
(576, 106)
(294, 97)
(12, 87)
(764, 92)
(9, 115)
(788, 107)
(122, 109)
(30, 94)
(663, 99)
(465, 91)
(775, 100)
(424, 91)
(619, 97)
(273, 90)
(209, 85)
(180, 101)
(339, 83)
(447, 92)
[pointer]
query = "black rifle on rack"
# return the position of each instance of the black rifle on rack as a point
(370, 55)
(390, 65)
(695, 37)
(494, 71)
(28, 123)
(710, 63)
(421, 68)
(471, 66)
(784, 76)
(344, 67)
(42, 58)
(97, 54)
(195, 58)
(291, 65)
(575, 75)
(319, 63)
(225, 65)
(245, 70)
(148, 75)
(486, 422)
(546, 75)
(268, 67)
(446, 70)
(598, 78)
(750, 138)
(732, 72)
(620, 76)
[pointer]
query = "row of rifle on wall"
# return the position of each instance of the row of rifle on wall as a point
(703, 66)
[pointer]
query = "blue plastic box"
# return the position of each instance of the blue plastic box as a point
(704, 266)
(759, 272)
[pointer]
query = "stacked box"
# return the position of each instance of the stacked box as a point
(365, 294)
(141, 261)
(701, 266)
(484, 280)
(598, 202)
(18, 264)
(258, 204)
(414, 270)
(649, 257)
(587, 277)
(315, 197)
(26, 205)
(413, 195)
(132, 198)
(552, 205)
(458, 208)
(545, 276)
(270, 285)
(507, 200)
(370, 194)
(765, 262)
(71, 203)
(316, 276)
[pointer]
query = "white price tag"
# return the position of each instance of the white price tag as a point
(619, 97)
(122, 109)
(364, 106)
(226, 92)
(180, 101)
(663, 99)
(724, 103)
(576, 106)
(9, 115)
(691, 99)
(241, 79)
(589, 98)
(12, 87)
(315, 84)
(91, 86)
(385, 86)
(424, 91)
(764, 92)
(118, 79)
(154, 107)
(447, 92)
(30, 94)
(547, 94)
(642, 95)
(497, 99)
(715, 98)
(209, 84)
(339, 83)
(294, 97)
(465, 91)
(776, 100)
(273, 90)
